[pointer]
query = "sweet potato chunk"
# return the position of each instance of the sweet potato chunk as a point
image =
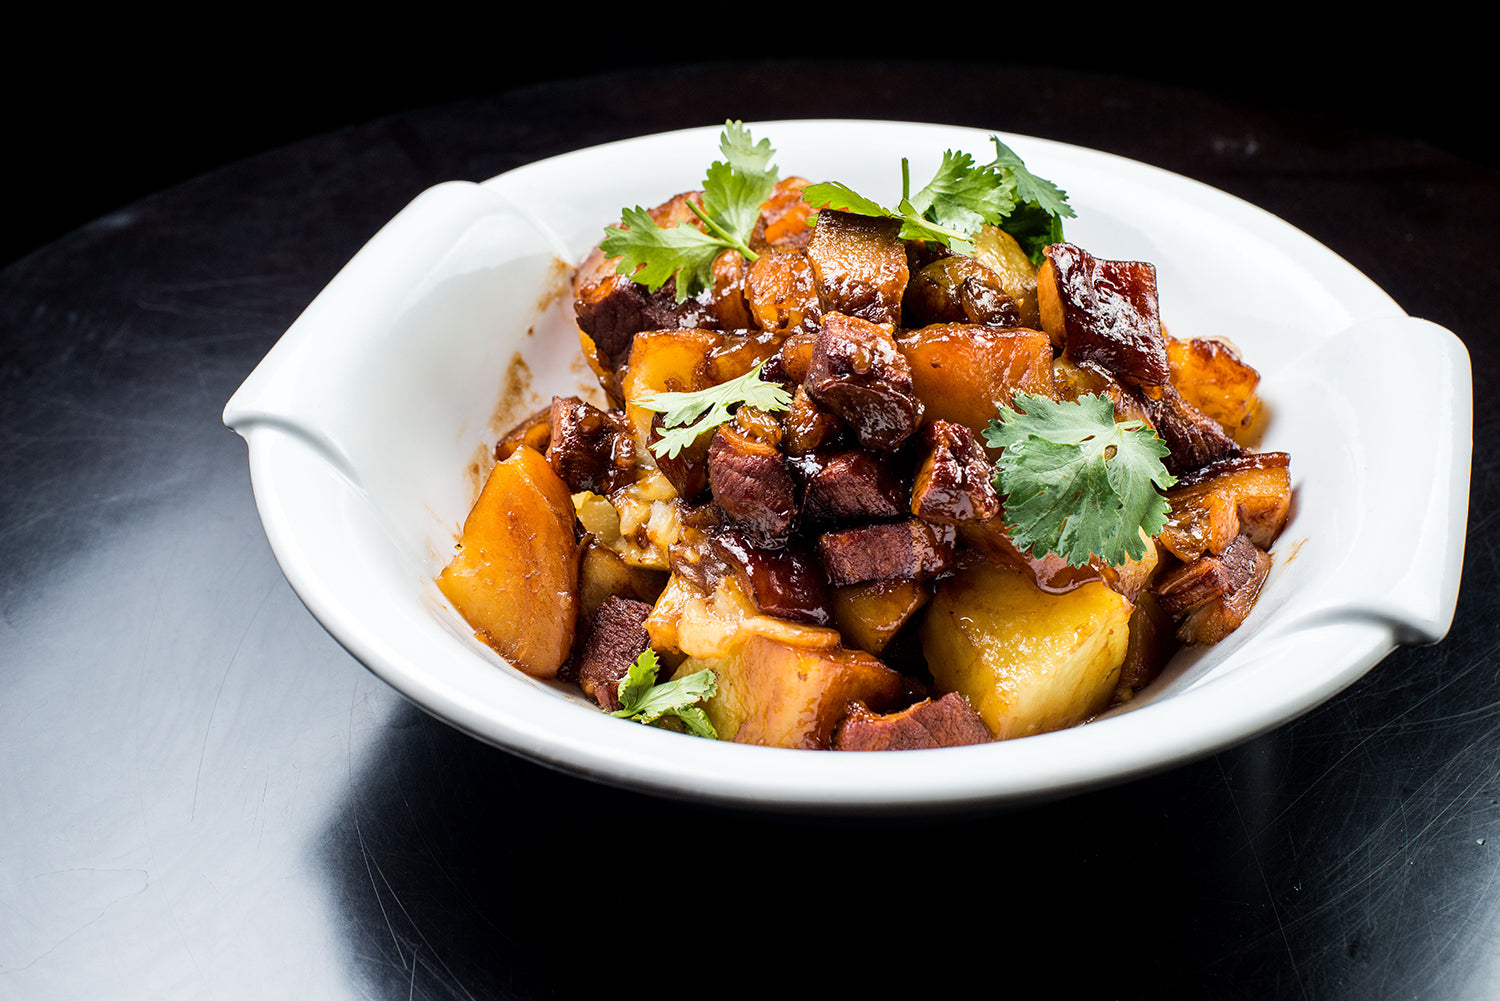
(515, 578)
(777, 695)
(1028, 661)
(1212, 377)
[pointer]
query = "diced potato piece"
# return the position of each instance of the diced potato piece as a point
(962, 371)
(515, 578)
(777, 695)
(1028, 661)
(665, 361)
(1212, 377)
(684, 619)
(871, 614)
(603, 573)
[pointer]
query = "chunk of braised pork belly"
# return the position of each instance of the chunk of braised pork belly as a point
(786, 582)
(948, 721)
(955, 481)
(589, 448)
(749, 478)
(850, 486)
(616, 639)
(860, 265)
(1249, 494)
(958, 289)
(910, 548)
(1104, 312)
(1209, 597)
(1193, 438)
(857, 373)
(781, 292)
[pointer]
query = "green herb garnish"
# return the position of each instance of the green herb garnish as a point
(962, 197)
(644, 701)
(1076, 482)
(733, 190)
(688, 415)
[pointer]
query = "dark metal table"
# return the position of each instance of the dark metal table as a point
(203, 796)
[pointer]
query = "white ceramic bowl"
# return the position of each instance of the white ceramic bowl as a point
(366, 420)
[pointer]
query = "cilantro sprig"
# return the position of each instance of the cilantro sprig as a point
(961, 197)
(733, 190)
(688, 415)
(1076, 482)
(644, 701)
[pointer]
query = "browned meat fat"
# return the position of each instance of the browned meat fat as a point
(590, 449)
(785, 583)
(857, 373)
(911, 548)
(1194, 438)
(615, 309)
(946, 722)
(618, 637)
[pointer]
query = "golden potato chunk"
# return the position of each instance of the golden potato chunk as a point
(777, 695)
(515, 577)
(963, 371)
(1028, 661)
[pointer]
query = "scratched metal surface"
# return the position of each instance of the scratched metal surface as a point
(203, 796)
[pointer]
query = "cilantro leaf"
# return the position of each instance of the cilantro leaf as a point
(961, 197)
(651, 254)
(1041, 206)
(644, 701)
(688, 415)
(1076, 482)
(733, 190)
(964, 197)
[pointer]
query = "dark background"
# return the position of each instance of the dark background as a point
(105, 116)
